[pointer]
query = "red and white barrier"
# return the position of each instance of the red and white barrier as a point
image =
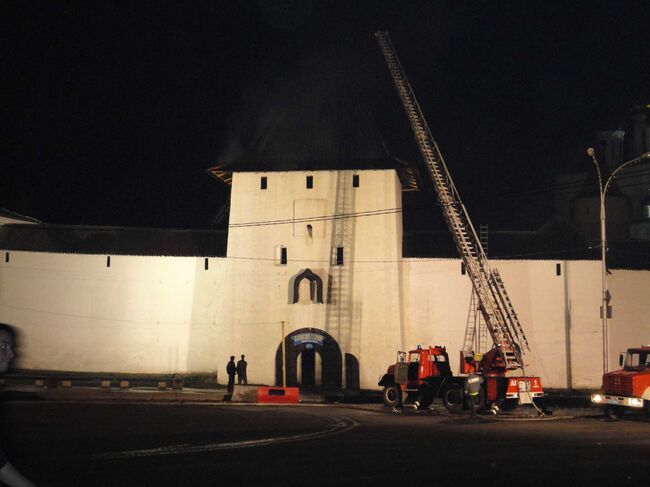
(278, 395)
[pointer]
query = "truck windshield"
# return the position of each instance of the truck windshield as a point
(637, 360)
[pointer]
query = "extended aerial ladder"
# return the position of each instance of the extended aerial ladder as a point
(493, 301)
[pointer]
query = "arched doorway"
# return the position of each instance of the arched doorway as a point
(309, 367)
(313, 360)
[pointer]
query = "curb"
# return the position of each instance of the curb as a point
(112, 394)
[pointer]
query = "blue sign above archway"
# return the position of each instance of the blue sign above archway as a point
(308, 337)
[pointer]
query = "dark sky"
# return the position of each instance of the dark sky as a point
(113, 111)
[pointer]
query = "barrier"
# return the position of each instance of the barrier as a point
(244, 394)
(278, 395)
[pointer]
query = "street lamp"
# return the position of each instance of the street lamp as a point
(603, 241)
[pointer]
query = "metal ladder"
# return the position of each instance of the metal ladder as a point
(476, 329)
(339, 320)
(495, 306)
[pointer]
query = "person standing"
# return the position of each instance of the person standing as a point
(241, 371)
(231, 369)
(8, 473)
(472, 389)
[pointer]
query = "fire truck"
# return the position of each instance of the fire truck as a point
(628, 388)
(425, 372)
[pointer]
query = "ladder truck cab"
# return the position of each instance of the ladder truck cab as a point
(628, 388)
(424, 374)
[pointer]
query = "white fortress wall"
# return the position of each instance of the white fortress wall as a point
(167, 314)
(436, 300)
(140, 315)
(560, 314)
(630, 323)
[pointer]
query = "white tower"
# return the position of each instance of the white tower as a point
(320, 251)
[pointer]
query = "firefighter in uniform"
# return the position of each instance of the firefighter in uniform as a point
(471, 390)
(425, 397)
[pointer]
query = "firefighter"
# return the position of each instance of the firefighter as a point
(471, 390)
(425, 397)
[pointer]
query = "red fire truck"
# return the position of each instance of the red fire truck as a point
(425, 374)
(628, 388)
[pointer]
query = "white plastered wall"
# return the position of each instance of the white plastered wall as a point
(559, 313)
(138, 315)
(169, 314)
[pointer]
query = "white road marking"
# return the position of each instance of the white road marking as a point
(341, 426)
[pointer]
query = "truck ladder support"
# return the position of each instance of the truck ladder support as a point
(495, 305)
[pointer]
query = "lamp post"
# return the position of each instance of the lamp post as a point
(284, 360)
(603, 241)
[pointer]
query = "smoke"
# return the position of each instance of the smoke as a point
(315, 113)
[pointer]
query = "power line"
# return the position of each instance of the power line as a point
(288, 221)
(553, 252)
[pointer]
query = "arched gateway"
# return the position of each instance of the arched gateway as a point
(305, 349)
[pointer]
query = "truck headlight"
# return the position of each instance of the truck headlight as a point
(636, 402)
(596, 398)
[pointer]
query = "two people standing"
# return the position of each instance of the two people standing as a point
(238, 369)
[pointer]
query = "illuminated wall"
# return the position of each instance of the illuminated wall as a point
(123, 314)
(557, 306)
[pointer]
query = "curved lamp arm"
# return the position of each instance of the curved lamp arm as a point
(645, 156)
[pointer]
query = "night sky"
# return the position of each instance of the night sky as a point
(113, 111)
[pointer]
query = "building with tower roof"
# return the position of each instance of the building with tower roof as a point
(314, 258)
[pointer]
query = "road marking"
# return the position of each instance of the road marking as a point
(340, 426)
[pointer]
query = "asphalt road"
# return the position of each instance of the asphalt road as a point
(63, 444)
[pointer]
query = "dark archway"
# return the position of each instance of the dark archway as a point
(351, 372)
(315, 283)
(311, 340)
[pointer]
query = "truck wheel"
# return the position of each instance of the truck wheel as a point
(614, 412)
(452, 397)
(393, 396)
(646, 407)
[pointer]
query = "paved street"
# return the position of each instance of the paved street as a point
(67, 444)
